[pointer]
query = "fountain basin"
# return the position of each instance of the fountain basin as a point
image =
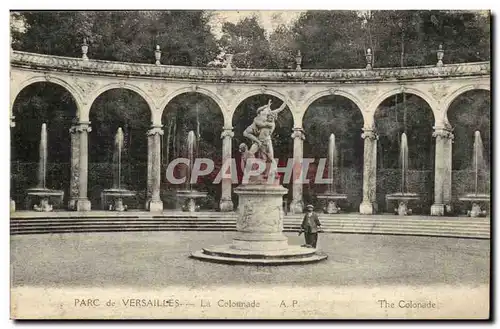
(400, 197)
(116, 195)
(187, 199)
(331, 200)
(44, 197)
(477, 201)
(475, 197)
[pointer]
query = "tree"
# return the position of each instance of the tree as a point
(410, 38)
(330, 39)
(283, 47)
(131, 36)
(247, 41)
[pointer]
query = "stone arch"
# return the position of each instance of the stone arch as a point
(324, 93)
(200, 90)
(262, 91)
(391, 119)
(332, 113)
(118, 85)
(449, 100)
(43, 78)
(407, 90)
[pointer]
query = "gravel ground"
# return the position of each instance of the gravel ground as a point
(160, 259)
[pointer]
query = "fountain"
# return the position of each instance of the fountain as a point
(41, 191)
(259, 239)
(117, 192)
(331, 196)
(403, 197)
(478, 198)
(188, 195)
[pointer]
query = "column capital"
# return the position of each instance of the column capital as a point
(80, 127)
(227, 132)
(155, 130)
(443, 132)
(369, 133)
(298, 133)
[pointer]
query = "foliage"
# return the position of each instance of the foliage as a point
(131, 36)
(247, 41)
(326, 39)
(340, 116)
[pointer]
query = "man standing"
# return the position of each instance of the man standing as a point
(310, 226)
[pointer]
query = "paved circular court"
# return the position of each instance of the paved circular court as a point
(161, 259)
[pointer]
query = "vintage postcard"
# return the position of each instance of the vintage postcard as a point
(203, 164)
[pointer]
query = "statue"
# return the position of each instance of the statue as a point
(476, 211)
(44, 205)
(260, 132)
(402, 209)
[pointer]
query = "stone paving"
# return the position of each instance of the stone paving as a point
(160, 259)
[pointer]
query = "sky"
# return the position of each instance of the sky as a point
(269, 19)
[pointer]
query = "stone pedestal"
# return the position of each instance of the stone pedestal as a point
(260, 239)
(12, 205)
(437, 209)
(367, 208)
(226, 205)
(260, 218)
(155, 206)
(83, 205)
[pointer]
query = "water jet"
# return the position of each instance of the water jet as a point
(331, 197)
(117, 193)
(41, 192)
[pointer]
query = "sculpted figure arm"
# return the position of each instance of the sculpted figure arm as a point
(279, 109)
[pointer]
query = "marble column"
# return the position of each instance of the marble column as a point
(83, 203)
(369, 204)
(154, 152)
(226, 202)
(149, 182)
(442, 171)
(75, 172)
(12, 202)
(297, 205)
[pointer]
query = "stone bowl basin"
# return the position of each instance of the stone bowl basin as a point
(44, 192)
(191, 194)
(402, 196)
(118, 192)
(332, 196)
(475, 197)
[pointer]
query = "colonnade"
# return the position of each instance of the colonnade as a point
(79, 169)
